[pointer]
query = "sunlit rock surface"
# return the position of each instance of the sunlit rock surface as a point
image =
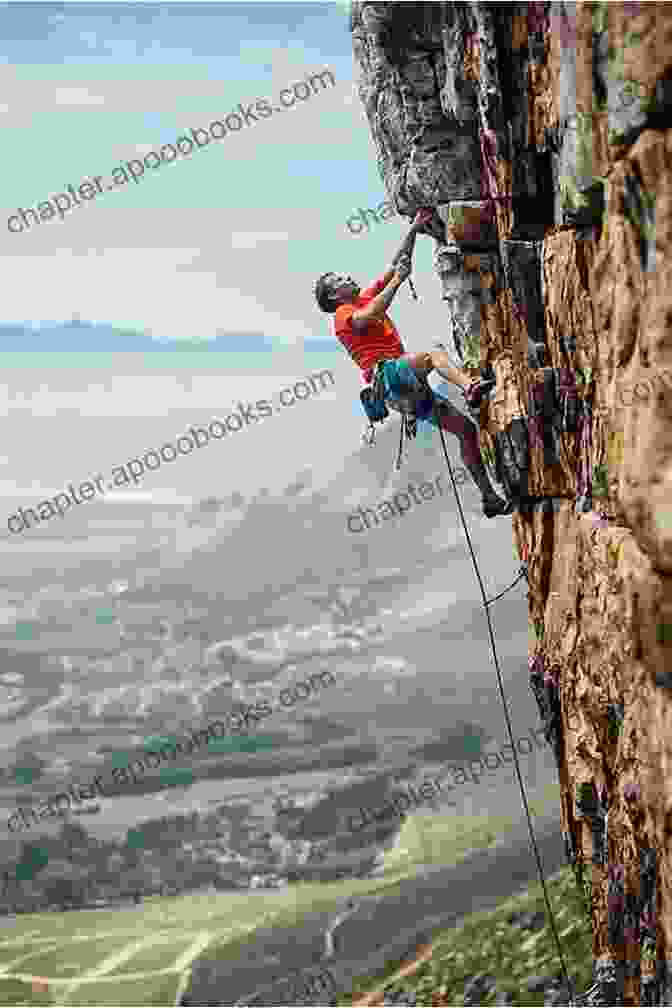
(541, 134)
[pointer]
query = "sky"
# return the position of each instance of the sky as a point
(228, 239)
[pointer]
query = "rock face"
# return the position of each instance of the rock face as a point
(541, 134)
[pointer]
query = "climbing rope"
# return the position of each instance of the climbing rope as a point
(523, 574)
(402, 431)
(493, 646)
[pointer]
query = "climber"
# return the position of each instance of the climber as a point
(372, 341)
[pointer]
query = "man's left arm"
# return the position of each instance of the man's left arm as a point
(421, 221)
(406, 249)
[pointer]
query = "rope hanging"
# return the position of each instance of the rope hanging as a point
(523, 574)
(493, 646)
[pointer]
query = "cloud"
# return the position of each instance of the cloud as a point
(245, 240)
(181, 282)
(76, 96)
(177, 271)
(159, 95)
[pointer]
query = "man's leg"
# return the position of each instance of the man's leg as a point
(438, 360)
(475, 388)
(461, 426)
(465, 431)
(441, 362)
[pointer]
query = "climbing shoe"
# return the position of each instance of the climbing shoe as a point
(493, 506)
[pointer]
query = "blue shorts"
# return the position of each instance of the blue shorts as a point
(402, 382)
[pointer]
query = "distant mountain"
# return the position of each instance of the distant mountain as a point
(80, 336)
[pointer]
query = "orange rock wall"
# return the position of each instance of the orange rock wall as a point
(568, 109)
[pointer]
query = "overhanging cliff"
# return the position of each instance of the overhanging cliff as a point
(541, 133)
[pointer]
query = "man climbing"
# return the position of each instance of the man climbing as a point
(364, 328)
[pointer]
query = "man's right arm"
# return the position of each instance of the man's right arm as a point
(377, 307)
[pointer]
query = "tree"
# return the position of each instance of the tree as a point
(63, 883)
(133, 882)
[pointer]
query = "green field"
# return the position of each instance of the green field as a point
(143, 955)
(488, 943)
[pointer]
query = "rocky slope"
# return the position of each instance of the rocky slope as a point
(541, 134)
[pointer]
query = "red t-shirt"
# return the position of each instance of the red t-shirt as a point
(379, 341)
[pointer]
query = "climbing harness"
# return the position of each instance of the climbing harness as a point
(574, 998)
(372, 399)
(396, 383)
